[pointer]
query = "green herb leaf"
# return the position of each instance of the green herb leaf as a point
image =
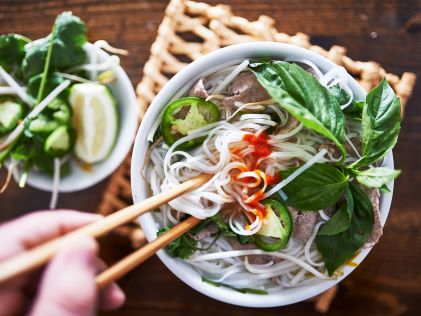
(52, 82)
(355, 109)
(182, 247)
(303, 97)
(336, 249)
(241, 290)
(341, 220)
(376, 177)
(12, 51)
(70, 35)
(319, 187)
(384, 188)
(340, 94)
(380, 124)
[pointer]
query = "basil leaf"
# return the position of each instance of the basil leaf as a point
(319, 187)
(336, 249)
(69, 37)
(354, 109)
(340, 94)
(303, 97)
(376, 177)
(380, 124)
(341, 220)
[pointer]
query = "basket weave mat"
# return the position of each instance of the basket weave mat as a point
(190, 30)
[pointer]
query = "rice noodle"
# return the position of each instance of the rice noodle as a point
(236, 253)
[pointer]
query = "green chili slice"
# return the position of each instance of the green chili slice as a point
(184, 115)
(274, 244)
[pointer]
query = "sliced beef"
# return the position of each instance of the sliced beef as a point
(206, 232)
(357, 144)
(245, 88)
(199, 90)
(332, 148)
(290, 125)
(303, 223)
(377, 232)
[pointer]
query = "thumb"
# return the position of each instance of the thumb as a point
(68, 285)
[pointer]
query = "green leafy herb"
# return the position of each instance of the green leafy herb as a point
(340, 94)
(241, 290)
(12, 51)
(52, 81)
(182, 247)
(70, 35)
(354, 109)
(319, 187)
(303, 97)
(336, 249)
(380, 124)
(384, 188)
(376, 177)
(341, 220)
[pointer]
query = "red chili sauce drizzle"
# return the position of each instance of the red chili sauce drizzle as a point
(261, 149)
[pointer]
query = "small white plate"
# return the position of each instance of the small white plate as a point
(79, 179)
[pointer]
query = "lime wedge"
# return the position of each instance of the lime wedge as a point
(95, 119)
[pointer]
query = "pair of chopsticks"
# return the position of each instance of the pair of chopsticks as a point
(38, 256)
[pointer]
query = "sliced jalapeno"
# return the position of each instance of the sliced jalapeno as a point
(277, 227)
(42, 125)
(10, 114)
(61, 111)
(185, 115)
(59, 142)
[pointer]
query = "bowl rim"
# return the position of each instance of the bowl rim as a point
(186, 77)
(130, 121)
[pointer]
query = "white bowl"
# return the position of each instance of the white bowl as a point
(79, 179)
(175, 88)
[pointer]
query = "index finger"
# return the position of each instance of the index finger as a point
(33, 229)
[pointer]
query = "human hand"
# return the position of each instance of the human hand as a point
(67, 286)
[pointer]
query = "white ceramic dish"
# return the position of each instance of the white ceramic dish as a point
(80, 179)
(175, 88)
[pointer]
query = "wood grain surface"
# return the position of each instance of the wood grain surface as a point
(388, 282)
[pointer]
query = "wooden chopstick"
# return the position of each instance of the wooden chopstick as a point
(139, 256)
(38, 256)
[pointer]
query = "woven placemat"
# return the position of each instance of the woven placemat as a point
(190, 30)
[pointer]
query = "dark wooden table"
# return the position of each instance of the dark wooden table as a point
(389, 280)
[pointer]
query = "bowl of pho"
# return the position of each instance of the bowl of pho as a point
(68, 112)
(301, 172)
